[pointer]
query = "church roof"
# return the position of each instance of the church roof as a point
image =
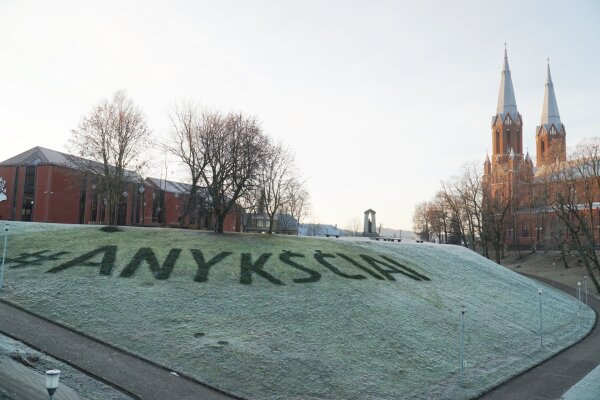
(550, 113)
(506, 98)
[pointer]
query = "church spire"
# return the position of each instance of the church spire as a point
(550, 113)
(506, 98)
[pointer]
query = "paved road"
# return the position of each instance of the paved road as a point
(140, 378)
(553, 378)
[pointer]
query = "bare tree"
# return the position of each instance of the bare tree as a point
(114, 137)
(421, 222)
(298, 200)
(571, 188)
(233, 148)
(188, 125)
(353, 227)
(275, 179)
(497, 202)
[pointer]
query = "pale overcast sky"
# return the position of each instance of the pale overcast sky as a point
(379, 99)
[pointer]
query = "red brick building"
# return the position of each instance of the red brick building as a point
(509, 172)
(44, 185)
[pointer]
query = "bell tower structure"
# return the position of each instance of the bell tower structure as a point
(550, 135)
(507, 124)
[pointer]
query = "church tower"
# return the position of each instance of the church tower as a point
(507, 170)
(550, 134)
(507, 124)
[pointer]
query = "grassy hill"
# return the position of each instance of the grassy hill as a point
(278, 317)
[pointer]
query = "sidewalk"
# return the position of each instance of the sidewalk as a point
(553, 378)
(135, 376)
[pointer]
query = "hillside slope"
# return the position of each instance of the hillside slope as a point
(274, 317)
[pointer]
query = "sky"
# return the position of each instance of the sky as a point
(379, 100)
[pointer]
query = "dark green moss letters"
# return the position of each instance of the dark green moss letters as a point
(381, 268)
(147, 254)
(203, 266)
(106, 266)
(286, 256)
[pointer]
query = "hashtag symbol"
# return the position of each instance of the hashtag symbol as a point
(34, 259)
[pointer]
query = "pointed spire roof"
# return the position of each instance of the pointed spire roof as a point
(487, 159)
(511, 155)
(550, 113)
(527, 157)
(506, 98)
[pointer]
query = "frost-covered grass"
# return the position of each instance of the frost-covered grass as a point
(82, 384)
(586, 389)
(329, 339)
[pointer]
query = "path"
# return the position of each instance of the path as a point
(553, 378)
(135, 376)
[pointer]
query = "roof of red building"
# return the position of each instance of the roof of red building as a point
(43, 156)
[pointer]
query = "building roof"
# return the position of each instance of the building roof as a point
(550, 113)
(506, 98)
(43, 156)
(174, 187)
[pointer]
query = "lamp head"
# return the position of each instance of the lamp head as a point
(52, 377)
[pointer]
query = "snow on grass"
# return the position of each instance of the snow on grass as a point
(329, 339)
(586, 389)
(82, 384)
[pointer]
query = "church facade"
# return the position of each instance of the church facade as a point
(510, 178)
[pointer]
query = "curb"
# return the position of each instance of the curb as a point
(512, 377)
(129, 353)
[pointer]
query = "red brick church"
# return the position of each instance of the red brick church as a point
(510, 172)
(44, 185)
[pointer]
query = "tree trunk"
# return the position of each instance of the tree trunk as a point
(497, 251)
(271, 223)
(219, 223)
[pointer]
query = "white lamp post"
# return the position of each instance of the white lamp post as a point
(541, 327)
(579, 291)
(462, 343)
(52, 377)
(3, 255)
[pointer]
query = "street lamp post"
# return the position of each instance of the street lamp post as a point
(52, 377)
(579, 291)
(3, 254)
(462, 344)
(585, 288)
(142, 190)
(541, 320)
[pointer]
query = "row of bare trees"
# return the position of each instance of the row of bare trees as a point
(239, 165)
(558, 207)
(227, 153)
(571, 192)
(455, 213)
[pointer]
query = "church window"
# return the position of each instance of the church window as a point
(497, 142)
(543, 147)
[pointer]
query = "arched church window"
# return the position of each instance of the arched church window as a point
(543, 147)
(497, 142)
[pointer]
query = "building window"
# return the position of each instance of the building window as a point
(497, 149)
(525, 230)
(28, 194)
(82, 199)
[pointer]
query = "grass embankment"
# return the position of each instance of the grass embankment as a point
(315, 319)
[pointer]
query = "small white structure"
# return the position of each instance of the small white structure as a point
(370, 225)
